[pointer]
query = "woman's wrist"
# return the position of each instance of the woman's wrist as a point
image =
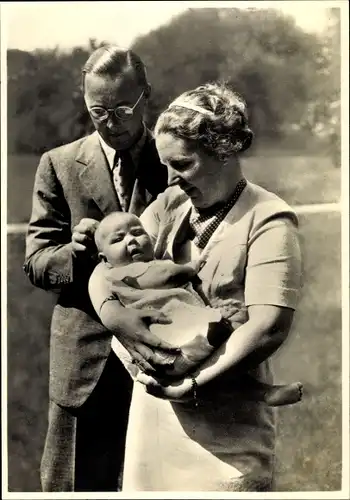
(107, 299)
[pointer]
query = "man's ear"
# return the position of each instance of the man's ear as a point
(102, 257)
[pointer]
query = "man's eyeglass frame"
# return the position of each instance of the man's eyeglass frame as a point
(108, 111)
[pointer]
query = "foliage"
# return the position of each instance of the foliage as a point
(322, 113)
(45, 104)
(261, 52)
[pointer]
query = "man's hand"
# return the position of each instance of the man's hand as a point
(83, 237)
(131, 328)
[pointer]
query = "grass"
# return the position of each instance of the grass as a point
(309, 444)
(297, 179)
(20, 179)
(28, 322)
(309, 434)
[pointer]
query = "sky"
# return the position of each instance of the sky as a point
(31, 25)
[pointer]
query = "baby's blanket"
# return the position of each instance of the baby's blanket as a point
(167, 287)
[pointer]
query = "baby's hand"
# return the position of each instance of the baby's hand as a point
(83, 236)
(167, 275)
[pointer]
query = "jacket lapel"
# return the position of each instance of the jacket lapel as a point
(151, 173)
(179, 230)
(140, 198)
(151, 177)
(95, 175)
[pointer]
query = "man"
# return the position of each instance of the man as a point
(76, 185)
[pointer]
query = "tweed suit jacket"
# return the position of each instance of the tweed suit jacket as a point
(73, 182)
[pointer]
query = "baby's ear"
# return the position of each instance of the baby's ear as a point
(102, 257)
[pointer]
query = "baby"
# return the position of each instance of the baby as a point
(136, 279)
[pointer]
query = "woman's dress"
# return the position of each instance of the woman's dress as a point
(227, 443)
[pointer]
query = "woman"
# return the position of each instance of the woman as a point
(203, 434)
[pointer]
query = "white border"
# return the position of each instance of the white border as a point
(345, 245)
(344, 493)
(3, 58)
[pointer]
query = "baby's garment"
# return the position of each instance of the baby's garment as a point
(197, 328)
(167, 287)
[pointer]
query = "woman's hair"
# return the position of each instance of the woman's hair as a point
(213, 116)
(112, 61)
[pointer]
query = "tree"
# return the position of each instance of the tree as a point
(261, 52)
(45, 104)
(322, 113)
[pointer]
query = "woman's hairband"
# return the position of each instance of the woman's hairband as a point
(187, 105)
(193, 107)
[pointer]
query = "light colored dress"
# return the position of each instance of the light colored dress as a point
(227, 443)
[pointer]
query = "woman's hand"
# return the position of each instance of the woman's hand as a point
(180, 391)
(131, 327)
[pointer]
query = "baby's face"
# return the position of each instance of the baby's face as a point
(125, 241)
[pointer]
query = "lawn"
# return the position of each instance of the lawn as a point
(309, 434)
(309, 445)
(298, 179)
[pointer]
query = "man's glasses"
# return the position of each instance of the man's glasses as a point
(121, 112)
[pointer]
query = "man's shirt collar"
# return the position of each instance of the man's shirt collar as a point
(135, 149)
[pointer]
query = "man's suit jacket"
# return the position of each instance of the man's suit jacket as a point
(72, 182)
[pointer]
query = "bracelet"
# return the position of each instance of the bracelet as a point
(107, 299)
(194, 390)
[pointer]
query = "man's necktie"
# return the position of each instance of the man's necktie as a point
(123, 175)
(204, 223)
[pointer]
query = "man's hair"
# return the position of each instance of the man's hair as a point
(112, 61)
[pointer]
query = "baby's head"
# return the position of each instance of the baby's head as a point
(121, 239)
